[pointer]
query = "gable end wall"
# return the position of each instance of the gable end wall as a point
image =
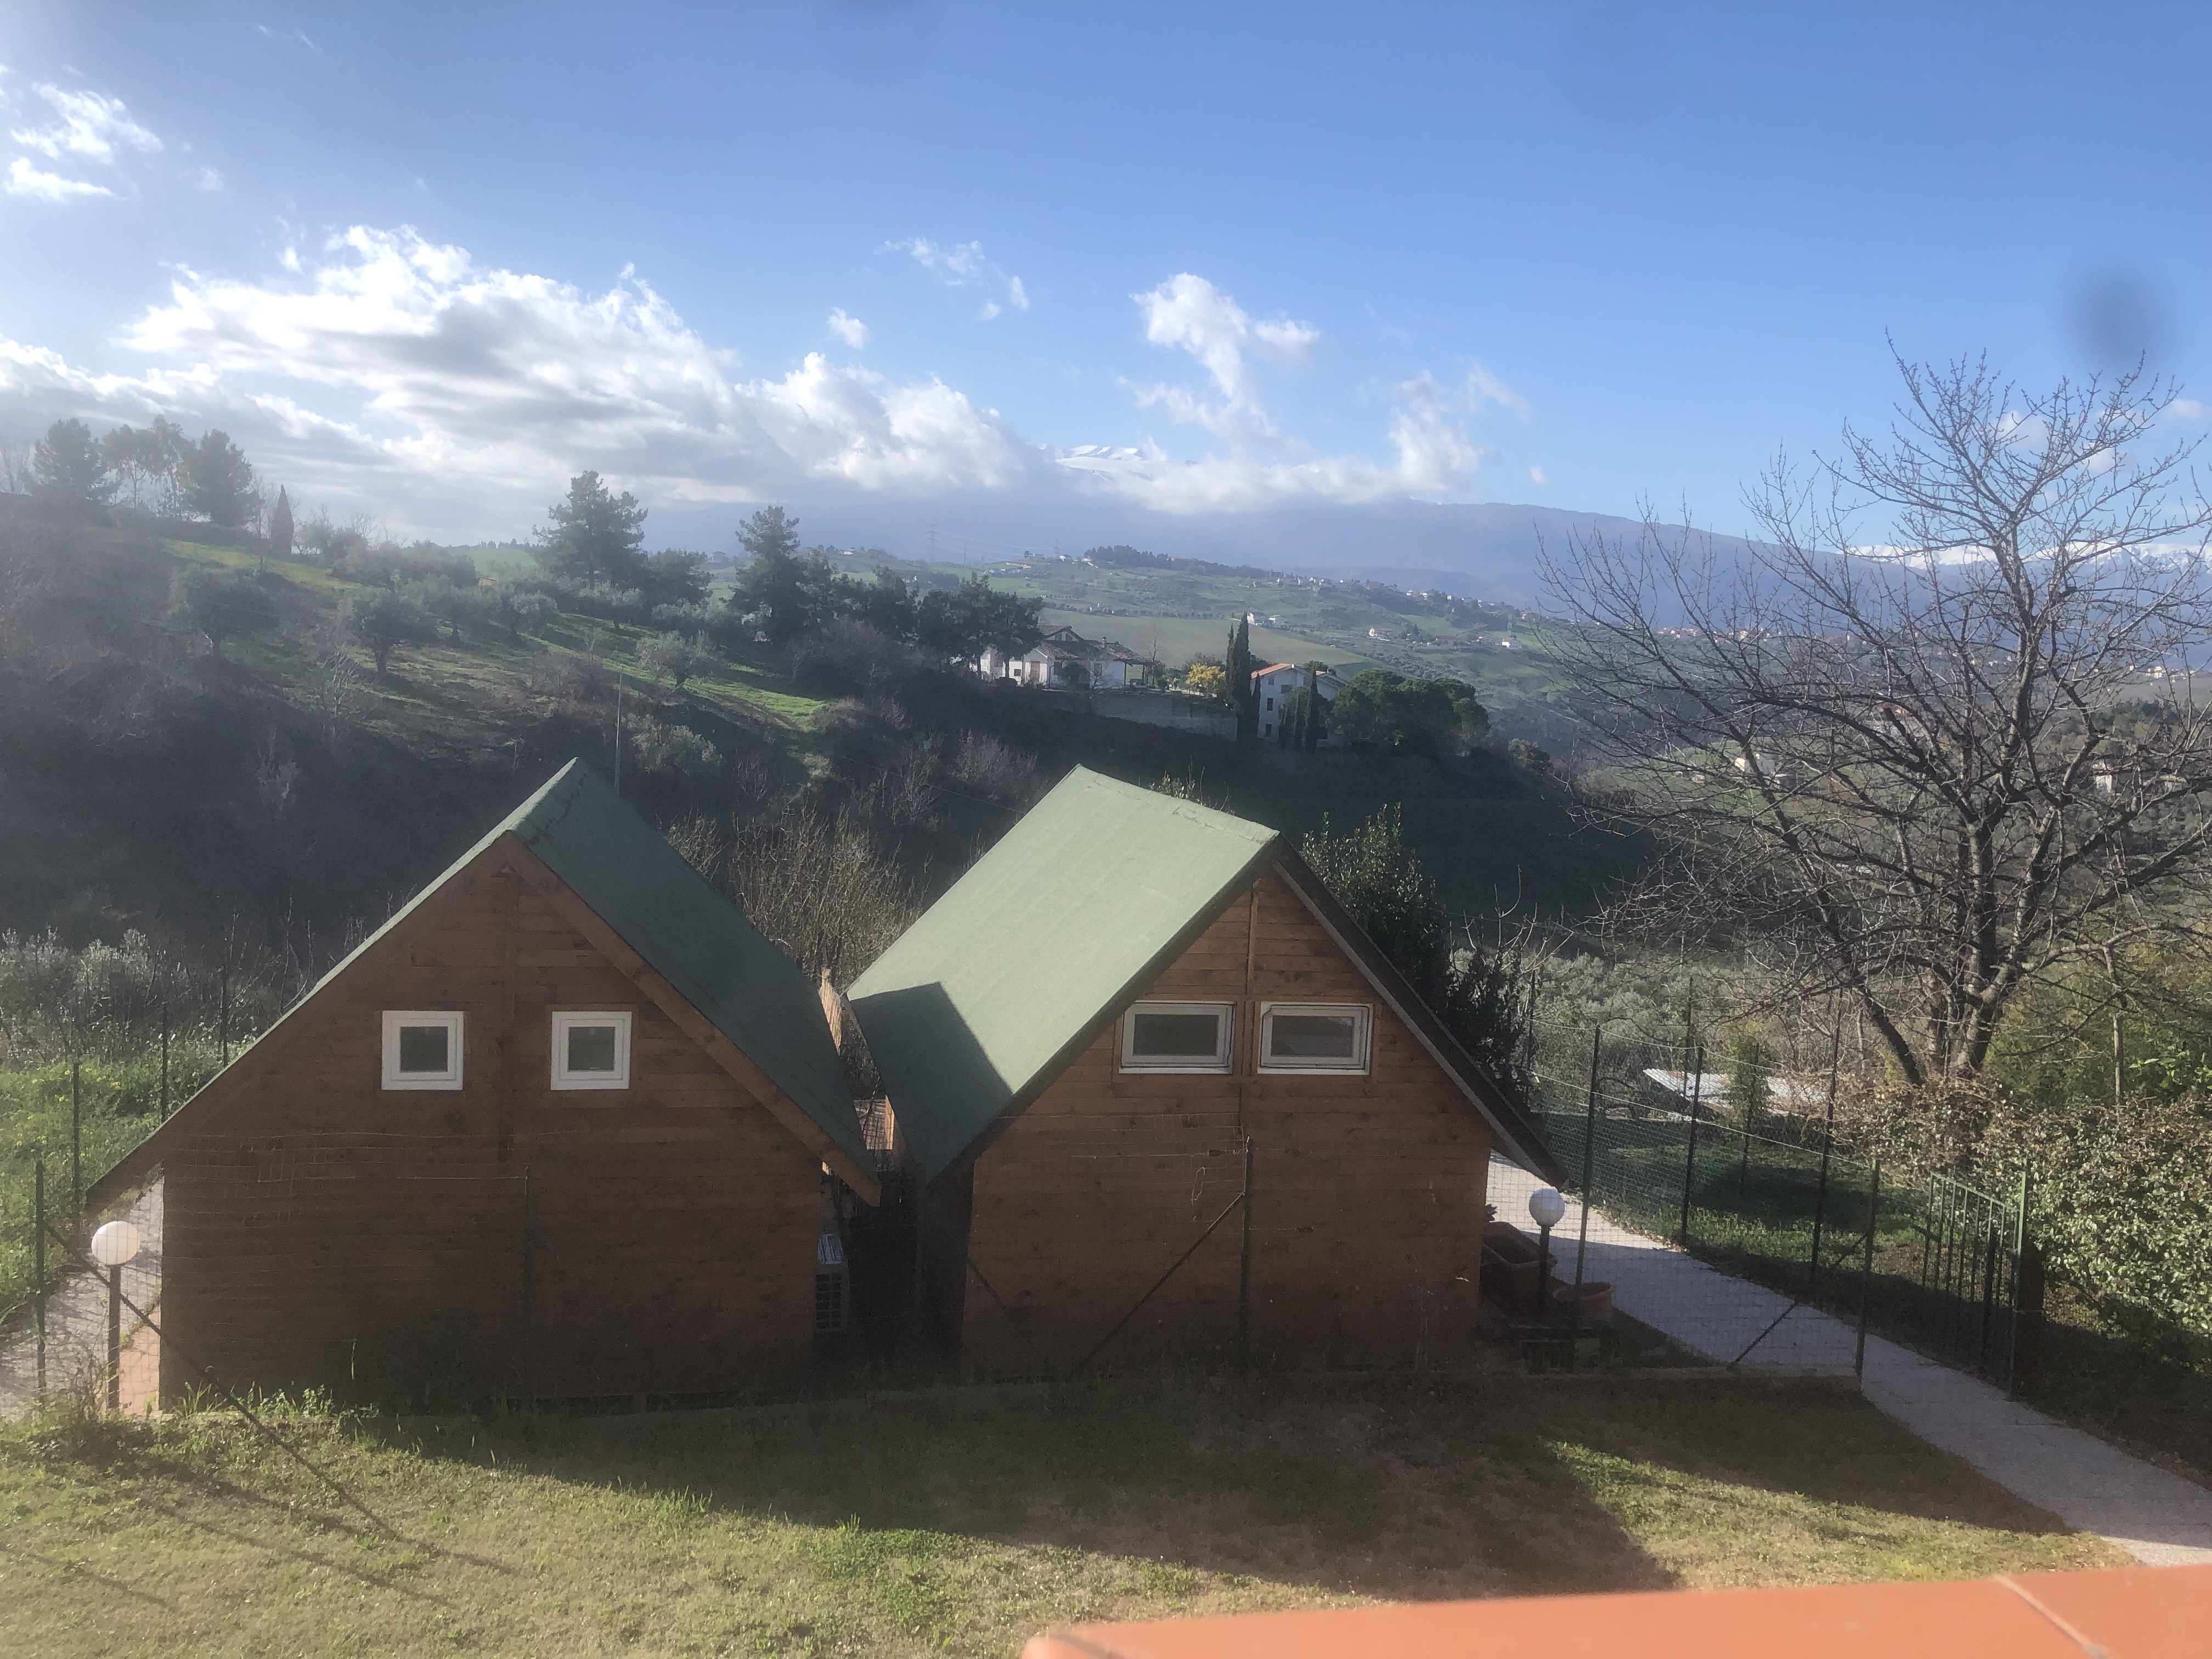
(322, 1231)
(1368, 1201)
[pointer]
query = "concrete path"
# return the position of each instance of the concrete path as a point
(2160, 1519)
(77, 1324)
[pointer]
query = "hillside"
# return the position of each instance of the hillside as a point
(147, 781)
(1176, 609)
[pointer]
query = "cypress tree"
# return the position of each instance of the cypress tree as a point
(280, 526)
(1238, 662)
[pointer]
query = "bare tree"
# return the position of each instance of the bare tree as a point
(1926, 769)
(815, 886)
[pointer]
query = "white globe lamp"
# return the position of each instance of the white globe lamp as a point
(1547, 1209)
(113, 1245)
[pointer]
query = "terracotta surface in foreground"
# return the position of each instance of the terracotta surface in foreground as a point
(2141, 1613)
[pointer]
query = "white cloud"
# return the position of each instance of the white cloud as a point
(1538, 476)
(964, 265)
(24, 180)
(1484, 387)
(89, 124)
(851, 330)
(1433, 457)
(207, 178)
(297, 36)
(1192, 315)
(386, 372)
(477, 388)
(2187, 409)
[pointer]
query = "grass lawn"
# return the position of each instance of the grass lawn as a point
(965, 1525)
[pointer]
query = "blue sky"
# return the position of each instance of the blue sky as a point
(1057, 272)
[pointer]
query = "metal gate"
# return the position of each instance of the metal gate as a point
(1970, 1305)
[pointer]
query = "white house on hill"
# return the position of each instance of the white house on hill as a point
(1064, 658)
(1271, 690)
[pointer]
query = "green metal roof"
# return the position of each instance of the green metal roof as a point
(672, 916)
(694, 938)
(1050, 930)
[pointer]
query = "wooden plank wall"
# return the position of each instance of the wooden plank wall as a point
(1368, 1191)
(323, 1231)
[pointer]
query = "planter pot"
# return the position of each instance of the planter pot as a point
(1593, 1301)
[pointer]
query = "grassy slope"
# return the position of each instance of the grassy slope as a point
(162, 824)
(1487, 838)
(906, 1529)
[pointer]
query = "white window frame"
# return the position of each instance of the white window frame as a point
(568, 1019)
(1362, 1061)
(1225, 1042)
(456, 1052)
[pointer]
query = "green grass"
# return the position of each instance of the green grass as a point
(119, 1103)
(452, 694)
(963, 1525)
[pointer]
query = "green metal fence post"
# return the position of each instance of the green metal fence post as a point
(2018, 1253)
(39, 1266)
(1589, 1156)
(76, 1139)
(1828, 1148)
(1690, 1158)
(1866, 1269)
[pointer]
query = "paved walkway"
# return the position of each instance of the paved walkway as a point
(76, 1325)
(2160, 1519)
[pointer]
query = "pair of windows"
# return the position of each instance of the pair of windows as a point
(1294, 1036)
(422, 1049)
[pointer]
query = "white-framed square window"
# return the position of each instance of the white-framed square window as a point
(1315, 1036)
(591, 1050)
(1176, 1036)
(422, 1048)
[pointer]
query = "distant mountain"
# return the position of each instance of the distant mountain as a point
(1485, 550)
(1482, 550)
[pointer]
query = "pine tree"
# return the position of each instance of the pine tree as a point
(218, 480)
(593, 535)
(280, 526)
(66, 466)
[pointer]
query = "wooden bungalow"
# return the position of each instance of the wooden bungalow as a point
(1080, 1039)
(566, 1126)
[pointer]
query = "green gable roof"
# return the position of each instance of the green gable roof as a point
(1054, 927)
(694, 938)
(670, 914)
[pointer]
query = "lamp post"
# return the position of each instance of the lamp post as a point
(112, 1246)
(1547, 1209)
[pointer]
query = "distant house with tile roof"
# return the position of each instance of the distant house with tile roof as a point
(1272, 686)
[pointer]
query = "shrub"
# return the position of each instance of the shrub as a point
(674, 752)
(817, 886)
(851, 656)
(580, 683)
(2122, 1201)
(383, 621)
(519, 605)
(689, 620)
(218, 604)
(673, 657)
(591, 598)
(997, 771)
(455, 607)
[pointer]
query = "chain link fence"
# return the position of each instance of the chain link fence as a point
(1743, 1174)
